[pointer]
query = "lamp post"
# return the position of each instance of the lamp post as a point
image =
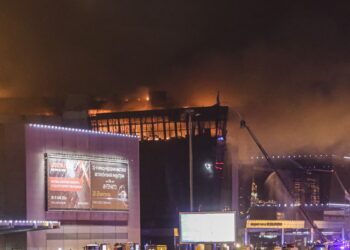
(190, 113)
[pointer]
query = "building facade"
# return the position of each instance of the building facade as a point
(164, 163)
(88, 181)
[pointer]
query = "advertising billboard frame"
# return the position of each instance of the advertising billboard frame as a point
(211, 213)
(90, 158)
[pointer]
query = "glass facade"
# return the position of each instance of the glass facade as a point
(159, 125)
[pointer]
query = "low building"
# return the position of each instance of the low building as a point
(87, 180)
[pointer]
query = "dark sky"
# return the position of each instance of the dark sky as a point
(283, 64)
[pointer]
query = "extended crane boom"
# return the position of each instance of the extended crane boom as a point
(273, 167)
(346, 193)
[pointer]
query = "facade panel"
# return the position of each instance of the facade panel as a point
(80, 226)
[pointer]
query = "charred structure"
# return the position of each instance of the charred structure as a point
(164, 164)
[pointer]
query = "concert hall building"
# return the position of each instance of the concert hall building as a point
(164, 163)
(88, 181)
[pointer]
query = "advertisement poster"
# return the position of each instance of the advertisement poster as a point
(68, 184)
(109, 186)
(85, 184)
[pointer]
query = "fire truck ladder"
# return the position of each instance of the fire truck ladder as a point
(274, 168)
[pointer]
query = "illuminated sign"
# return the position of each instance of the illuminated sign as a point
(292, 224)
(321, 224)
(85, 182)
(207, 227)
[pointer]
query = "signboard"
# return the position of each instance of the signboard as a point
(207, 227)
(85, 183)
(109, 183)
(334, 213)
(321, 224)
(292, 224)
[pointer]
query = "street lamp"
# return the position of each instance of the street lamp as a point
(190, 113)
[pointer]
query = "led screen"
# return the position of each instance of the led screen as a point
(207, 227)
(86, 183)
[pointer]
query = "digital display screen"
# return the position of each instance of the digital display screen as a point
(86, 183)
(207, 227)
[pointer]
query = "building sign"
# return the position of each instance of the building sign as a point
(321, 224)
(334, 213)
(292, 224)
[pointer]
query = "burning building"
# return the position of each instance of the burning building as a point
(164, 162)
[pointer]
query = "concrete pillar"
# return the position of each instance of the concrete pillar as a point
(282, 236)
(311, 234)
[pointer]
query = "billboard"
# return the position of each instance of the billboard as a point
(207, 227)
(109, 183)
(86, 183)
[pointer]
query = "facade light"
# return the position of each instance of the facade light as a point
(86, 131)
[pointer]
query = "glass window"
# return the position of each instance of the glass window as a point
(159, 131)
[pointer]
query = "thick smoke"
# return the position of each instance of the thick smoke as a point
(285, 68)
(292, 102)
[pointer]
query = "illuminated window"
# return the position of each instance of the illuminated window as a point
(159, 130)
(102, 125)
(147, 131)
(135, 126)
(124, 129)
(94, 124)
(196, 128)
(113, 126)
(170, 130)
(181, 129)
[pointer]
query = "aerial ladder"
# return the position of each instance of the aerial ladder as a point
(271, 164)
(346, 193)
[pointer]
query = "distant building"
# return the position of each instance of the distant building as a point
(164, 161)
(310, 178)
(307, 190)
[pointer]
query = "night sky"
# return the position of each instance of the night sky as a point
(285, 65)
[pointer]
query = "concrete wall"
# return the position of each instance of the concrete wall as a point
(79, 227)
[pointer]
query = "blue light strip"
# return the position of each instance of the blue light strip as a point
(86, 131)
